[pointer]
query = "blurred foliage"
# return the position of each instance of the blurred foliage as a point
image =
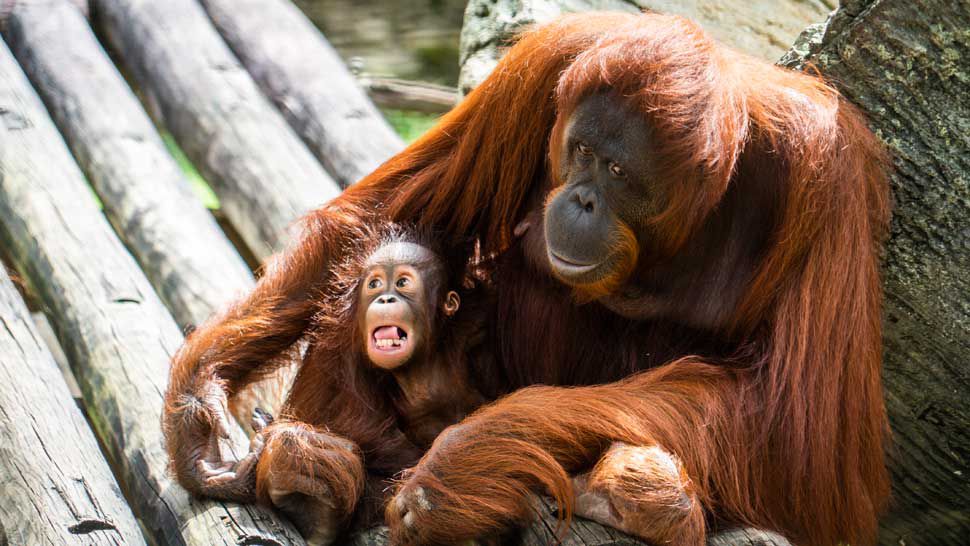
(438, 64)
(409, 39)
(410, 125)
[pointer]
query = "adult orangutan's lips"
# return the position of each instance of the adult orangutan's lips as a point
(389, 338)
(570, 268)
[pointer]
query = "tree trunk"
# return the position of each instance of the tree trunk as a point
(112, 326)
(298, 69)
(906, 64)
(265, 177)
(148, 200)
(57, 488)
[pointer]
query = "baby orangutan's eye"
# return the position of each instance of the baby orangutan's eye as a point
(374, 283)
(403, 282)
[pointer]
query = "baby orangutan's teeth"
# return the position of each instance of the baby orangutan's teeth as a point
(389, 342)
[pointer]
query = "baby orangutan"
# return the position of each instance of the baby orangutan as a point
(402, 299)
(385, 371)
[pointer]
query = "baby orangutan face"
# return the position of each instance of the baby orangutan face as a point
(402, 286)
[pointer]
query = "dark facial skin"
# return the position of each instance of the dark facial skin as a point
(607, 185)
(399, 291)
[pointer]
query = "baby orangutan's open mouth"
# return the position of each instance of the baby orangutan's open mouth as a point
(389, 338)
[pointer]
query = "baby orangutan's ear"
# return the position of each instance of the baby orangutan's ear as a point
(452, 302)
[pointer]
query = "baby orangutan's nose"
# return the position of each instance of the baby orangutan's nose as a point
(386, 299)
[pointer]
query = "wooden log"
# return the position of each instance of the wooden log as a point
(582, 532)
(189, 261)
(747, 536)
(57, 488)
(298, 69)
(408, 95)
(114, 329)
(265, 177)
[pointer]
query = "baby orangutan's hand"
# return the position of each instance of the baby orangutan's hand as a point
(236, 480)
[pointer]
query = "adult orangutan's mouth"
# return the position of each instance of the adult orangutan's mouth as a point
(569, 268)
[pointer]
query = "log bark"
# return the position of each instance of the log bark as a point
(57, 488)
(308, 81)
(265, 177)
(114, 329)
(189, 261)
(906, 64)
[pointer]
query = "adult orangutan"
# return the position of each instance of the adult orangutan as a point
(698, 260)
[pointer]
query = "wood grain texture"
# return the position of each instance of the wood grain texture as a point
(113, 328)
(148, 200)
(906, 64)
(56, 486)
(192, 83)
(308, 81)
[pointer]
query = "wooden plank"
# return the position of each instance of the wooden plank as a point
(265, 177)
(299, 70)
(57, 488)
(114, 329)
(189, 261)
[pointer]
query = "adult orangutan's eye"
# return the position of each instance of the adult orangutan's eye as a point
(616, 171)
(584, 149)
(403, 282)
(374, 283)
